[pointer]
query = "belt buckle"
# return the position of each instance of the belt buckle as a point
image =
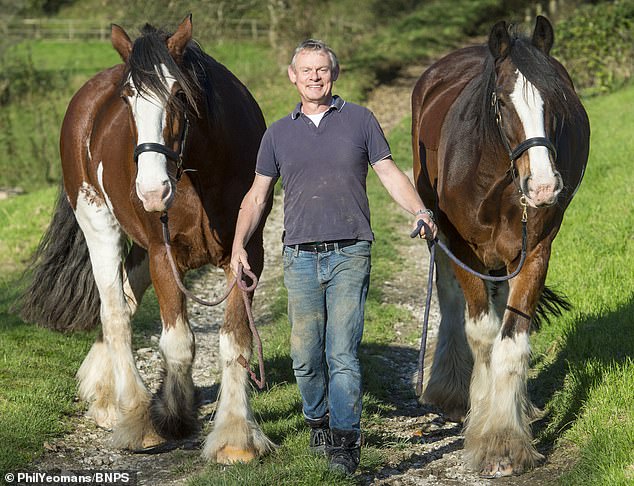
(322, 246)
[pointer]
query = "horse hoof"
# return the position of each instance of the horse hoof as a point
(152, 440)
(497, 470)
(230, 454)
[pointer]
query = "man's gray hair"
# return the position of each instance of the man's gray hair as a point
(315, 45)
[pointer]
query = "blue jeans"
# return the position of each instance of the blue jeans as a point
(326, 298)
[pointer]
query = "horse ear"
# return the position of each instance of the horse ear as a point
(120, 41)
(543, 36)
(499, 40)
(178, 41)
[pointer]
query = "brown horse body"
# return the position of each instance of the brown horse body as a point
(208, 117)
(462, 169)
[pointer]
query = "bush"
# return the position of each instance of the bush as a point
(596, 45)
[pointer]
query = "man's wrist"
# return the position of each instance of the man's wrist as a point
(428, 212)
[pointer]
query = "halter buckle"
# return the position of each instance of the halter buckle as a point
(524, 204)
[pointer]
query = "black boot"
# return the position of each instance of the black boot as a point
(345, 452)
(320, 436)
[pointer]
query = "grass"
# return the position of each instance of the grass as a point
(584, 359)
(37, 367)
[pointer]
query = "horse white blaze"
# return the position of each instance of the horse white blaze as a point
(543, 185)
(153, 185)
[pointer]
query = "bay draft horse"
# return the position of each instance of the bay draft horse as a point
(170, 128)
(496, 130)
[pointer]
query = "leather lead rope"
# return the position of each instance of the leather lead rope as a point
(239, 281)
(430, 281)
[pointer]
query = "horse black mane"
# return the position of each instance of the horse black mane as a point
(539, 69)
(150, 51)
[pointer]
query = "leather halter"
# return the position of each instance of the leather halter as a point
(166, 151)
(517, 152)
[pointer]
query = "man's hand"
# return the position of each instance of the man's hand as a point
(427, 217)
(239, 257)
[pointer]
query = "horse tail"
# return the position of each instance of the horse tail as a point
(62, 293)
(551, 304)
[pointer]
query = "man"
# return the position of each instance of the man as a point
(322, 152)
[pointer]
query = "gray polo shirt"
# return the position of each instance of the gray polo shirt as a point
(324, 171)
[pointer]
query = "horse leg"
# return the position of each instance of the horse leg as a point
(483, 326)
(448, 385)
(498, 439)
(174, 407)
(108, 376)
(236, 436)
(95, 376)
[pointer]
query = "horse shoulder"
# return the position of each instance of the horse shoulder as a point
(78, 124)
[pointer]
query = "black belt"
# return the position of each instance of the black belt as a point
(321, 246)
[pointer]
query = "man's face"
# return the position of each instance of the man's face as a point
(313, 76)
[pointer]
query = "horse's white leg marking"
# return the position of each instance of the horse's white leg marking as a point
(497, 436)
(236, 436)
(481, 332)
(177, 344)
(509, 367)
(96, 385)
(104, 239)
(543, 186)
(448, 385)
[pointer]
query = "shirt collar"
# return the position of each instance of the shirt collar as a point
(336, 104)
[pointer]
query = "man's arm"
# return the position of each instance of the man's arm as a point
(403, 192)
(249, 217)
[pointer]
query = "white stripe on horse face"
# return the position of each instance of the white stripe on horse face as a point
(529, 106)
(150, 116)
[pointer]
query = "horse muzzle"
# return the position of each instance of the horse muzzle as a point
(542, 193)
(157, 197)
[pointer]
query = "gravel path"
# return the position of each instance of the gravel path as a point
(432, 454)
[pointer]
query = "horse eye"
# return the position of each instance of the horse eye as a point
(127, 91)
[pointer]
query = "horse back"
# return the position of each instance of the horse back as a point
(434, 94)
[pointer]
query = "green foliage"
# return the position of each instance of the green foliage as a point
(430, 29)
(596, 45)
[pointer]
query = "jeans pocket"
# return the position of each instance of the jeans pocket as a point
(362, 249)
(287, 257)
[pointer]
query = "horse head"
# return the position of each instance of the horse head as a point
(158, 95)
(528, 99)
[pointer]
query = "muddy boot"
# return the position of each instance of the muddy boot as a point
(345, 452)
(320, 436)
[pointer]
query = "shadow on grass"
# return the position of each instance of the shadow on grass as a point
(604, 339)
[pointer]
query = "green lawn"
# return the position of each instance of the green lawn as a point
(585, 358)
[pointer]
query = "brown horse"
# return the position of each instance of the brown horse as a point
(497, 132)
(170, 129)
